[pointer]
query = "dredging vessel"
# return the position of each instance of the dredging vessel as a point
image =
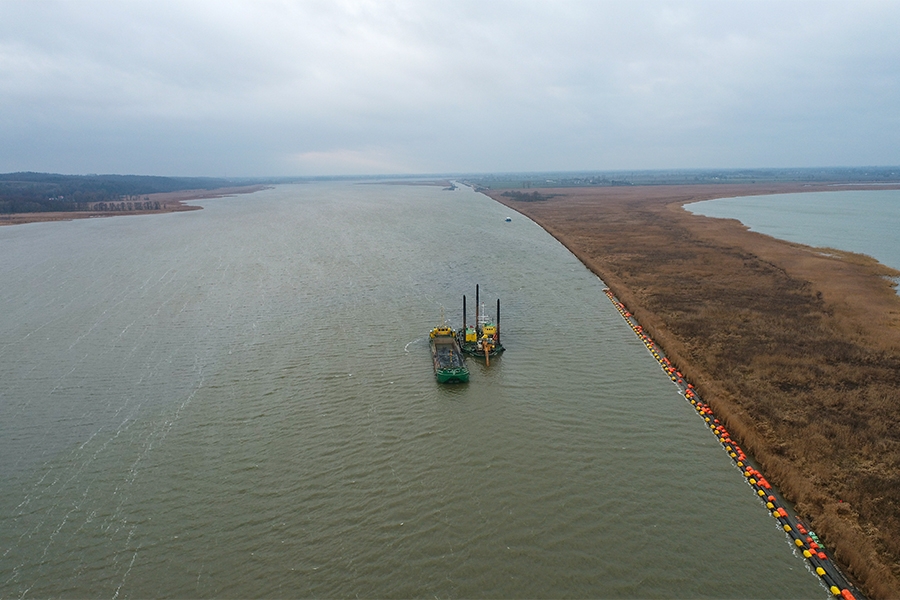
(483, 338)
(449, 361)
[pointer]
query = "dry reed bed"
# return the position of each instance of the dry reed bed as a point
(797, 350)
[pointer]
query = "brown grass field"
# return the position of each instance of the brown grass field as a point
(796, 349)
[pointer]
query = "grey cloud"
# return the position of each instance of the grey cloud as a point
(252, 88)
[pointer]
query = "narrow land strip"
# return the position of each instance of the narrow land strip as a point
(796, 349)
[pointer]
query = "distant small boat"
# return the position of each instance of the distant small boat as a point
(508, 219)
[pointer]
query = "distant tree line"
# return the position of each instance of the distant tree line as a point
(131, 204)
(526, 197)
(548, 179)
(45, 192)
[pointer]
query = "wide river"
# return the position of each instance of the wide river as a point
(239, 402)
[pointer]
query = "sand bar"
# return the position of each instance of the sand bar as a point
(796, 348)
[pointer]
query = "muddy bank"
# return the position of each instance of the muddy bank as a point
(796, 349)
(158, 203)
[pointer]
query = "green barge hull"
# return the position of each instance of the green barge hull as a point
(449, 361)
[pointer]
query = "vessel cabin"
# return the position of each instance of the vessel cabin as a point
(441, 331)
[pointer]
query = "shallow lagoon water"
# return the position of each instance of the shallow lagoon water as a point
(239, 401)
(865, 221)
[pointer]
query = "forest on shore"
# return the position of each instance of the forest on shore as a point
(47, 192)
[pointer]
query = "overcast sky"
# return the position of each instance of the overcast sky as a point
(321, 87)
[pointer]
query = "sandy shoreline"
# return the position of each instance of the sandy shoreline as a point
(169, 202)
(797, 348)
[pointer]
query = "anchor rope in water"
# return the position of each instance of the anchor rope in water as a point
(804, 540)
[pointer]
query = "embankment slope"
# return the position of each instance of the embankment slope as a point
(797, 349)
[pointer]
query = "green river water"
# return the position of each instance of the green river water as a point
(239, 402)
